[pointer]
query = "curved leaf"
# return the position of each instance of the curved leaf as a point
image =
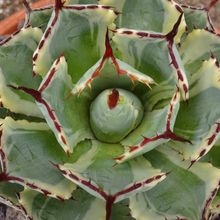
(155, 15)
(95, 172)
(40, 17)
(184, 193)
(81, 206)
(156, 128)
(75, 26)
(194, 51)
(16, 69)
(26, 151)
(68, 116)
(197, 18)
(154, 52)
(198, 120)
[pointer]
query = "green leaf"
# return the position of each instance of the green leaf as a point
(155, 53)
(196, 18)
(215, 207)
(194, 51)
(67, 116)
(121, 211)
(27, 149)
(213, 156)
(40, 17)
(81, 206)
(155, 15)
(95, 171)
(9, 195)
(156, 128)
(16, 69)
(109, 72)
(185, 193)
(198, 120)
(82, 33)
(16, 116)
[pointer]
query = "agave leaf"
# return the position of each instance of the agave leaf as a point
(16, 69)
(26, 151)
(110, 72)
(197, 18)
(184, 193)
(81, 206)
(9, 195)
(198, 120)
(158, 16)
(66, 115)
(213, 156)
(141, 209)
(155, 129)
(193, 51)
(115, 74)
(88, 27)
(95, 172)
(70, 123)
(40, 17)
(154, 52)
(5, 112)
(215, 207)
(121, 211)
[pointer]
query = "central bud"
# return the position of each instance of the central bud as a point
(114, 114)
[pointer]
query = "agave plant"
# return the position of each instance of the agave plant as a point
(111, 110)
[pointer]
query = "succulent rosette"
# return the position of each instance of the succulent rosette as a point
(111, 110)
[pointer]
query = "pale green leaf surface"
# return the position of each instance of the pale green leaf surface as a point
(213, 156)
(182, 193)
(155, 123)
(198, 120)
(40, 18)
(82, 33)
(8, 193)
(141, 209)
(194, 51)
(96, 167)
(71, 112)
(16, 69)
(125, 77)
(155, 15)
(196, 19)
(151, 54)
(29, 148)
(81, 206)
(215, 207)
